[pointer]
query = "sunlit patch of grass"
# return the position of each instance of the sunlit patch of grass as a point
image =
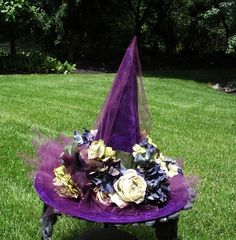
(190, 121)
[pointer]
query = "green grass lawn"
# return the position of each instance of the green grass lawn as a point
(190, 121)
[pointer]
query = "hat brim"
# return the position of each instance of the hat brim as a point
(89, 209)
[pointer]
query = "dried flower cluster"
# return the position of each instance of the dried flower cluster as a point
(91, 165)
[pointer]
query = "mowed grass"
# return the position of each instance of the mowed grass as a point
(190, 121)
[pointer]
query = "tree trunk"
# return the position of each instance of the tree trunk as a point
(13, 46)
(170, 39)
(139, 14)
(137, 27)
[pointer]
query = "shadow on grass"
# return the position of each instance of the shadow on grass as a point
(202, 75)
(74, 235)
(142, 232)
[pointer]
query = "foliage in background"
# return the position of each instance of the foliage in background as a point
(219, 22)
(20, 18)
(98, 31)
(231, 44)
(28, 62)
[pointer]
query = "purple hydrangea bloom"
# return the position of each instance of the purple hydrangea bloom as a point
(157, 182)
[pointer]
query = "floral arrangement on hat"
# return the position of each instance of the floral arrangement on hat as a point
(87, 164)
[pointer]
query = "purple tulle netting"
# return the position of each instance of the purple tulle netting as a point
(125, 113)
(123, 119)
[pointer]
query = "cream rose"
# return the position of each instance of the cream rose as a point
(96, 149)
(170, 169)
(131, 187)
(117, 200)
(173, 170)
(137, 149)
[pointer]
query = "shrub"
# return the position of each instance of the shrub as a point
(33, 62)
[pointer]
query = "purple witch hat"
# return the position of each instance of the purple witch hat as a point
(121, 124)
(125, 112)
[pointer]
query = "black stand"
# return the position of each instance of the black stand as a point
(49, 218)
(166, 229)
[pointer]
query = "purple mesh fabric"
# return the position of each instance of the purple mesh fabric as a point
(125, 114)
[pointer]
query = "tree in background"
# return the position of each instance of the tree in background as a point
(19, 18)
(100, 30)
(220, 19)
(140, 9)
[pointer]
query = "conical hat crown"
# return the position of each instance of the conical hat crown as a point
(125, 114)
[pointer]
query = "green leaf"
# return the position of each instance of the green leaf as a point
(70, 148)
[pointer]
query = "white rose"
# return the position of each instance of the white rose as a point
(131, 187)
(117, 200)
(172, 170)
(96, 149)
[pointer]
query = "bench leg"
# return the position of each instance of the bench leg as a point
(49, 218)
(167, 230)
